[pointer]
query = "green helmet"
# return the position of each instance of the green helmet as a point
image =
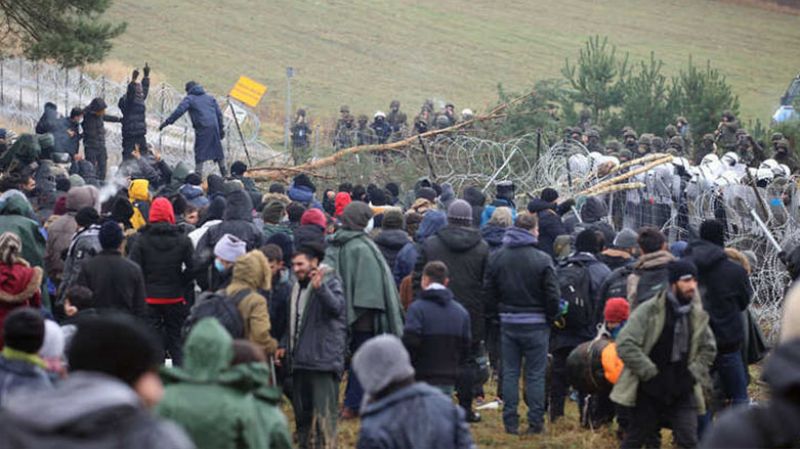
(344, 109)
(776, 137)
(670, 131)
(676, 142)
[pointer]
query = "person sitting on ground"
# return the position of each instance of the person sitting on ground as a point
(398, 411)
(103, 403)
(21, 368)
(437, 332)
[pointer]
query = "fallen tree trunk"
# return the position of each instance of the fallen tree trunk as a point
(277, 173)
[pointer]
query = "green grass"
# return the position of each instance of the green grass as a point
(366, 52)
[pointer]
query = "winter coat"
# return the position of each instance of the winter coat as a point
(64, 143)
(726, 291)
(213, 401)
(16, 217)
(49, 121)
(521, 279)
(598, 272)
(164, 254)
(20, 286)
(772, 423)
(550, 224)
(407, 257)
(87, 410)
(322, 335)
(18, 375)
(194, 195)
(251, 272)
(272, 229)
(307, 233)
(615, 258)
(414, 417)
(206, 119)
(367, 281)
(85, 245)
(466, 255)
(117, 283)
(390, 242)
(134, 109)
(493, 236)
(437, 336)
(649, 276)
(278, 304)
(303, 195)
(94, 129)
(639, 336)
(477, 200)
(61, 231)
(615, 286)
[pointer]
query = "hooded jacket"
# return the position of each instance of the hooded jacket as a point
(407, 256)
(417, 416)
(368, 284)
(598, 272)
(87, 411)
(206, 118)
(15, 217)
(726, 291)
(493, 236)
(94, 130)
(49, 121)
(139, 196)
(437, 335)
(20, 286)
(649, 276)
(134, 109)
(772, 423)
(194, 195)
(17, 376)
(116, 282)
(165, 255)
(466, 255)
(216, 403)
(477, 200)
(60, 232)
(550, 224)
(390, 242)
(251, 272)
(85, 244)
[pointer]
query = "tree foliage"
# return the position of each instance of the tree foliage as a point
(69, 32)
(645, 104)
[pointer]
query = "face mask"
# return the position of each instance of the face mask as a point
(218, 265)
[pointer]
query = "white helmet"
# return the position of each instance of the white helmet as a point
(730, 158)
(765, 174)
(782, 171)
(728, 178)
(709, 159)
(467, 113)
(379, 114)
(578, 163)
(769, 163)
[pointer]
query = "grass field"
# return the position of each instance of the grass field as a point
(366, 52)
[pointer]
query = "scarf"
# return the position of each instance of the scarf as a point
(33, 359)
(680, 340)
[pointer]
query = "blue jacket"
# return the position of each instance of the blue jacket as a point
(407, 257)
(499, 202)
(16, 375)
(415, 417)
(207, 123)
(303, 195)
(194, 195)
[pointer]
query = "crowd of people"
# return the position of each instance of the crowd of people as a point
(177, 310)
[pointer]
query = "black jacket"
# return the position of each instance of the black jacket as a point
(550, 224)
(64, 143)
(94, 130)
(771, 424)
(390, 242)
(477, 200)
(522, 278)
(164, 253)
(49, 122)
(116, 283)
(466, 255)
(437, 336)
(308, 233)
(726, 291)
(134, 110)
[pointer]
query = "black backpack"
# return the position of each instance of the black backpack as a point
(218, 305)
(573, 278)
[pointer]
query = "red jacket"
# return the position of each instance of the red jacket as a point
(341, 201)
(19, 287)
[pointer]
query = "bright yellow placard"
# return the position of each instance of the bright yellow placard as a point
(248, 91)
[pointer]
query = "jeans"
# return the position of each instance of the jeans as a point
(167, 320)
(733, 376)
(528, 342)
(354, 393)
(198, 167)
(646, 418)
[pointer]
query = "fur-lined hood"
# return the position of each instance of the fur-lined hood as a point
(19, 282)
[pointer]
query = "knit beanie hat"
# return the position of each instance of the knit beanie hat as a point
(117, 345)
(681, 269)
(60, 207)
(626, 238)
(229, 248)
(427, 193)
(23, 330)
(678, 248)
(53, 345)
(392, 218)
(381, 361)
(549, 195)
(314, 216)
(459, 213)
(273, 212)
(356, 216)
(713, 231)
(617, 310)
(10, 248)
(87, 217)
(110, 235)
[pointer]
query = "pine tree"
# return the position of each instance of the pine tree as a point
(68, 32)
(645, 105)
(702, 95)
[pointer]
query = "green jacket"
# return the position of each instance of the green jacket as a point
(368, 282)
(272, 229)
(220, 406)
(641, 333)
(16, 216)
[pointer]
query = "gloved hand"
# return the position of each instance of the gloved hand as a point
(135, 75)
(146, 70)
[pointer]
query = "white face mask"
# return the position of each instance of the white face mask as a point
(370, 225)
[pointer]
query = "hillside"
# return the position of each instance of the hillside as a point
(366, 52)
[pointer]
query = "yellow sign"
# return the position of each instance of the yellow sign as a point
(248, 91)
